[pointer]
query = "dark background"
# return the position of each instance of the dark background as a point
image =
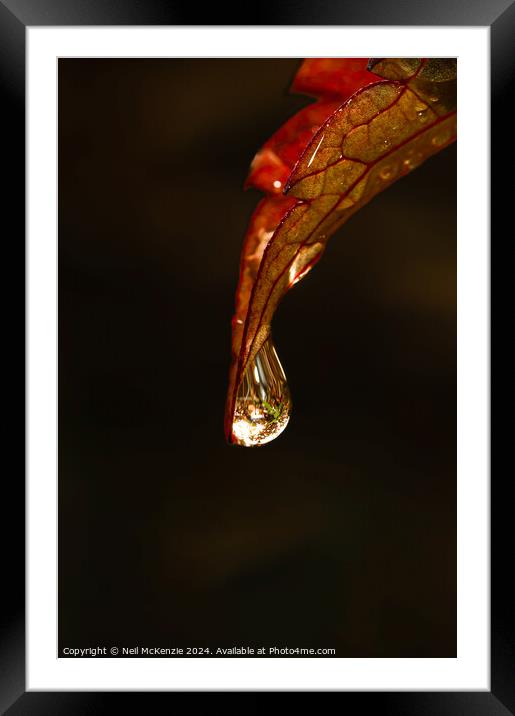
(341, 533)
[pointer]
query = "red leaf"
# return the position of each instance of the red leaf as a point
(324, 164)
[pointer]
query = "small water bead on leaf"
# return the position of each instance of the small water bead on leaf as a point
(263, 402)
(440, 139)
(412, 160)
(386, 172)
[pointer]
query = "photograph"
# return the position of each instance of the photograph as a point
(221, 492)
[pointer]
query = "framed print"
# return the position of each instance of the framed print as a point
(363, 551)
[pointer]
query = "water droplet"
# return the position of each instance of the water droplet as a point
(386, 173)
(423, 115)
(263, 402)
(440, 139)
(412, 161)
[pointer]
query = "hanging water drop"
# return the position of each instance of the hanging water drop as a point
(263, 402)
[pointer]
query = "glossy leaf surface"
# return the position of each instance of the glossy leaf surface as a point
(374, 122)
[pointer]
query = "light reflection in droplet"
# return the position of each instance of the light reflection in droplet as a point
(263, 402)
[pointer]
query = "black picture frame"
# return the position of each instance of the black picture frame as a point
(15, 16)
